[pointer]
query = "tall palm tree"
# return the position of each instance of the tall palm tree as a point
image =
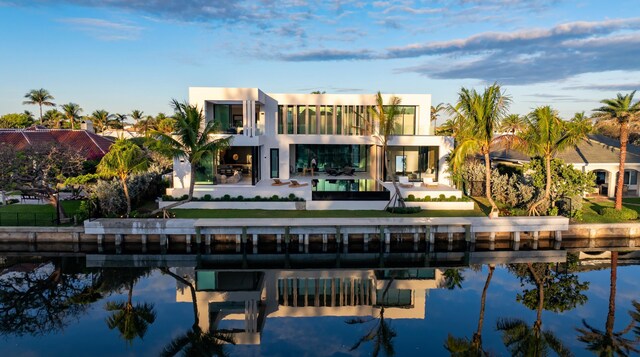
(453, 278)
(480, 115)
(119, 119)
(464, 347)
(123, 159)
(196, 342)
(546, 135)
(384, 124)
(191, 139)
(523, 340)
(609, 342)
(513, 124)
(621, 111)
(71, 112)
(132, 321)
(101, 119)
(40, 97)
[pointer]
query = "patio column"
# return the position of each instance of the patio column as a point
(611, 187)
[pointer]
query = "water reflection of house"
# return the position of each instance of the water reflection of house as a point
(244, 299)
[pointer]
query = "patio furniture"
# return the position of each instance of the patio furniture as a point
(428, 182)
(277, 182)
(331, 171)
(295, 183)
(348, 170)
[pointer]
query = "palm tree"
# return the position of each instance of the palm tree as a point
(101, 119)
(71, 112)
(547, 135)
(137, 116)
(119, 120)
(123, 159)
(384, 121)
(621, 111)
(513, 124)
(40, 97)
(191, 139)
(52, 118)
(196, 342)
(635, 315)
(453, 279)
(435, 113)
(464, 347)
(523, 340)
(479, 115)
(131, 321)
(609, 342)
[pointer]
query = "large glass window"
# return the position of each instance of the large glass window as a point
(339, 120)
(222, 116)
(289, 119)
(313, 119)
(302, 120)
(331, 156)
(415, 162)
(281, 116)
(275, 163)
(205, 170)
(329, 116)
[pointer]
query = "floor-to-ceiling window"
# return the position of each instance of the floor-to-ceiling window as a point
(415, 162)
(331, 156)
(275, 163)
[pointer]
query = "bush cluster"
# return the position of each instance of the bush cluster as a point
(228, 198)
(108, 196)
(626, 214)
(441, 198)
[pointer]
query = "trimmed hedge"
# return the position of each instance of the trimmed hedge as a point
(404, 210)
(228, 198)
(441, 198)
(625, 214)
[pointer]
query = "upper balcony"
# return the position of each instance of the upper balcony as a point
(238, 118)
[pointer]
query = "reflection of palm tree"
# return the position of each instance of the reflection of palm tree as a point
(381, 333)
(635, 315)
(608, 342)
(523, 340)
(453, 278)
(196, 342)
(464, 347)
(131, 321)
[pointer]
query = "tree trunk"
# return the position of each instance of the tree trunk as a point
(477, 337)
(487, 182)
(612, 295)
(130, 297)
(196, 315)
(387, 167)
(40, 114)
(126, 195)
(533, 210)
(192, 180)
(624, 138)
(540, 285)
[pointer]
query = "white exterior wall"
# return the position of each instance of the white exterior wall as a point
(265, 133)
(612, 170)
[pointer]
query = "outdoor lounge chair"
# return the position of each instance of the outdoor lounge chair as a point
(348, 170)
(295, 183)
(330, 171)
(428, 182)
(277, 182)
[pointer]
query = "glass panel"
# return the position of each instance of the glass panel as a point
(331, 156)
(323, 119)
(204, 170)
(626, 177)
(339, 120)
(275, 163)
(221, 115)
(302, 119)
(409, 121)
(329, 115)
(289, 119)
(633, 180)
(313, 119)
(280, 119)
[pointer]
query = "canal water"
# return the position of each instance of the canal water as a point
(63, 305)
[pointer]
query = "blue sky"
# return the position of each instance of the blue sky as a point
(121, 55)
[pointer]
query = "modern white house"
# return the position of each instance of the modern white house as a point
(326, 141)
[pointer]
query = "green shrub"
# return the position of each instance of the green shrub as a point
(427, 198)
(404, 210)
(292, 196)
(624, 214)
(452, 199)
(411, 198)
(206, 197)
(240, 198)
(442, 197)
(226, 198)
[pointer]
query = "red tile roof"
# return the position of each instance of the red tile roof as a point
(92, 146)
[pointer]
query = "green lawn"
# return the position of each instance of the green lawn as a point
(635, 200)
(257, 213)
(38, 215)
(591, 208)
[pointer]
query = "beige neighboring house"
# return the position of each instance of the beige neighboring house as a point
(126, 133)
(598, 154)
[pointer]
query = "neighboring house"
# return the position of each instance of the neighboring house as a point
(126, 133)
(92, 146)
(282, 135)
(599, 154)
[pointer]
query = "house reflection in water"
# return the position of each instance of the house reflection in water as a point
(244, 299)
